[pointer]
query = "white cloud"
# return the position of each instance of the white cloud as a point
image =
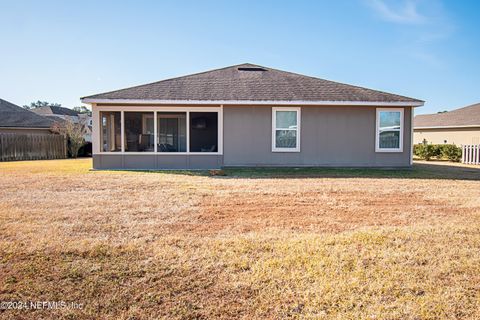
(405, 12)
(422, 26)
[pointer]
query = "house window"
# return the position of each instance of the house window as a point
(110, 133)
(389, 132)
(172, 131)
(286, 129)
(139, 131)
(203, 132)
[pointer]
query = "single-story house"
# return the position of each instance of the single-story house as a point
(15, 119)
(56, 112)
(459, 126)
(249, 115)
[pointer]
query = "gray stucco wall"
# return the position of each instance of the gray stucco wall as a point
(330, 136)
(155, 162)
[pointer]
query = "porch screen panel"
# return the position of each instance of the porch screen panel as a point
(203, 132)
(139, 131)
(110, 133)
(172, 131)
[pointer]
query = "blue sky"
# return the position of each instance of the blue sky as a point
(59, 51)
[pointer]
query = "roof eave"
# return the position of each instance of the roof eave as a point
(415, 103)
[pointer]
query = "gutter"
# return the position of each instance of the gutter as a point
(257, 102)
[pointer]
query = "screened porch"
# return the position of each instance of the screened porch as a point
(165, 131)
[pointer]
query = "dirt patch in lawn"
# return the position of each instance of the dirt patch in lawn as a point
(323, 205)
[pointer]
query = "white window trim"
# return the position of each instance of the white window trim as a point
(377, 130)
(97, 127)
(274, 128)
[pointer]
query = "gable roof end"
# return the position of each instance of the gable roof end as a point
(250, 84)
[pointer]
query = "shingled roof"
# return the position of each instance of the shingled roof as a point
(54, 110)
(249, 82)
(14, 116)
(467, 116)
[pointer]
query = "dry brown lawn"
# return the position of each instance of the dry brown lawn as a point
(255, 244)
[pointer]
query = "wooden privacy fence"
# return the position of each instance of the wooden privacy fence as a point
(471, 154)
(21, 146)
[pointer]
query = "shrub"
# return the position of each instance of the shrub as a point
(426, 151)
(437, 150)
(416, 149)
(452, 152)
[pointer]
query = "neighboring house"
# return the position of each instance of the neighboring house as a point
(55, 112)
(460, 126)
(15, 119)
(248, 115)
(86, 120)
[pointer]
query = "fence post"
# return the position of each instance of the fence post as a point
(474, 154)
(477, 155)
(471, 153)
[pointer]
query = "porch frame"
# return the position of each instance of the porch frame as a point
(96, 144)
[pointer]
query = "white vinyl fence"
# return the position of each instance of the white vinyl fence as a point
(471, 154)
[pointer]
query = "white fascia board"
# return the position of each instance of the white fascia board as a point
(258, 102)
(448, 127)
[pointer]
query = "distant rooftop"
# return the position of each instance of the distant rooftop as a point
(53, 110)
(467, 116)
(12, 116)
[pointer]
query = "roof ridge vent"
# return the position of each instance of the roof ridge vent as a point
(251, 69)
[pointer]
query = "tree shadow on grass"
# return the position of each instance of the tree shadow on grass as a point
(423, 170)
(451, 171)
(418, 171)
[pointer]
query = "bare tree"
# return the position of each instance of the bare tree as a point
(75, 133)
